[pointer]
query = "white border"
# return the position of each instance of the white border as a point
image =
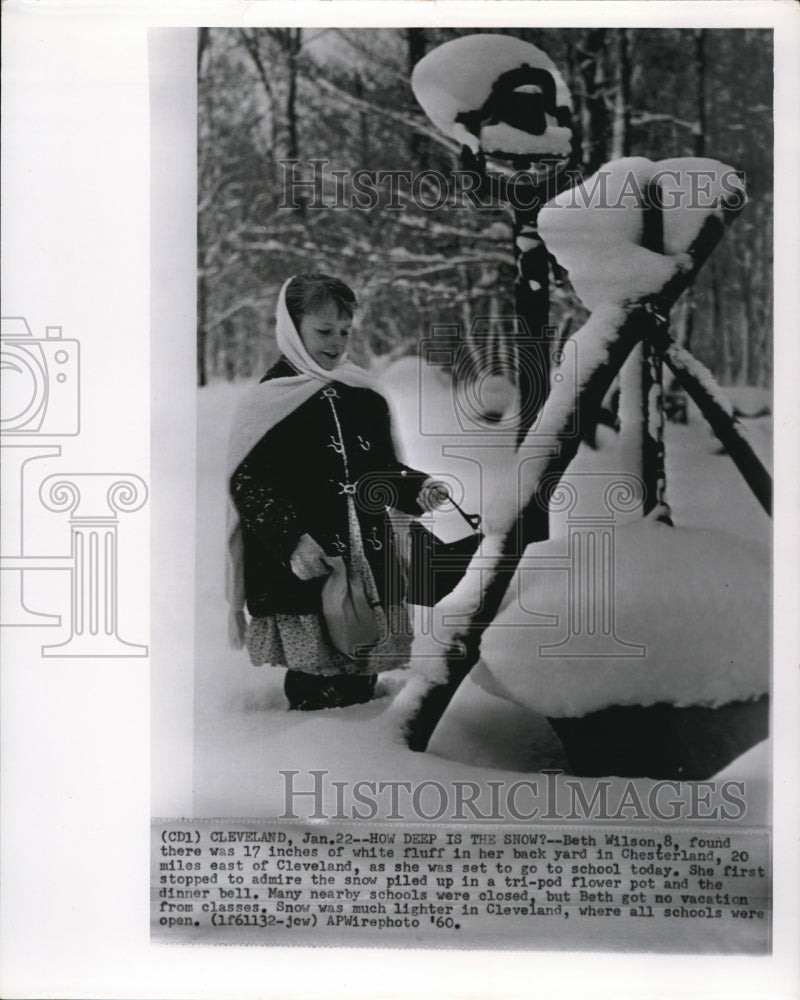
(75, 779)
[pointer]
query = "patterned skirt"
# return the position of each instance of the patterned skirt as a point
(301, 642)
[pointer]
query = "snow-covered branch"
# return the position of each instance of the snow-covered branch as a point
(418, 124)
(450, 264)
(654, 117)
(247, 303)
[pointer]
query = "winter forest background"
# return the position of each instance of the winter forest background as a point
(696, 596)
(343, 95)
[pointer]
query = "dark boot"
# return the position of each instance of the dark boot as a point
(310, 692)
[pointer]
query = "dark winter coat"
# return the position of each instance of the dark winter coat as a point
(295, 481)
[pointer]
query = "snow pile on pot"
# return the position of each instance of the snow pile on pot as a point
(467, 89)
(696, 600)
(596, 230)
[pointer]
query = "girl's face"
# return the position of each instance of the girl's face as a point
(324, 333)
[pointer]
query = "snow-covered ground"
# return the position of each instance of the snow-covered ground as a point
(244, 733)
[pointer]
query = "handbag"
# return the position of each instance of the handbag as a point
(351, 620)
(436, 567)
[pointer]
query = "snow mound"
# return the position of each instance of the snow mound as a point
(750, 401)
(596, 229)
(458, 77)
(697, 601)
(689, 188)
(503, 140)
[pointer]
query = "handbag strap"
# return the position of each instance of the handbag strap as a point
(473, 520)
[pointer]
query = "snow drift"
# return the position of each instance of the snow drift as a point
(595, 230)
(697, 600)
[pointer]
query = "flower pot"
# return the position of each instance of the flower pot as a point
(662, 741)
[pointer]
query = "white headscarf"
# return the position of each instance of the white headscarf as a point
(265, 405)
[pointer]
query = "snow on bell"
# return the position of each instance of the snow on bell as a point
(498, 95)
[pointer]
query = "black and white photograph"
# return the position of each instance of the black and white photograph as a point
(429, 378)
(484, 369)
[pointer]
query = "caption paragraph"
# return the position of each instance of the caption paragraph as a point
(276, 883)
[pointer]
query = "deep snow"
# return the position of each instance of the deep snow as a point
(244, 733)
(595, 230)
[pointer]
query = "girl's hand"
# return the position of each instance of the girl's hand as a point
(237, 629)
(432, 495)
(308, 559)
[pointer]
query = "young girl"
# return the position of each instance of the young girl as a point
(312, 470)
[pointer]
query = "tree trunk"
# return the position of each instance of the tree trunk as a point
(698, 149)
(203, 39)
(418, 145)
(466, 300)
(251, 44)
(620, 132)
(202, 285)
(202, 314)
(294, 41)
(699, 144)
(594, 113)
(723, 371)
